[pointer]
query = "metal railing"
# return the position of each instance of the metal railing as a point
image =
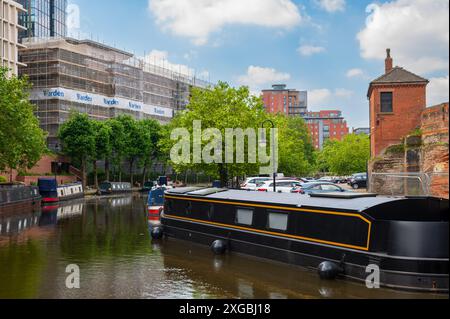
(403, 184)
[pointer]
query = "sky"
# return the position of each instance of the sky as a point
(331, 48)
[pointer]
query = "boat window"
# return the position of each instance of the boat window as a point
(211, 211)
(278, 221)
(188, 208)
(244, 216)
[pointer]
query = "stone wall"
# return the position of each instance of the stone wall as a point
(418, 165)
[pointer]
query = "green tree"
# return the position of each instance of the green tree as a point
(118, 141)
(151, 130)
(346, 157)
(22, 141)
(296, 151)
(135, 138)
(103, 146)
(78, 137)
(220, 107)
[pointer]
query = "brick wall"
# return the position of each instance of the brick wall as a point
(409, 101)
(435, 157)
(43, 167)
(427, 156)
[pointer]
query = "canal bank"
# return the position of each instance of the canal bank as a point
(108, 238)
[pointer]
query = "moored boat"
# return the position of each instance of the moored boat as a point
(16, 196)
(51, 192)
(406, 239)
(155, 203)
(108, 188)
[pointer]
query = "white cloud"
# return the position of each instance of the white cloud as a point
(308, 50)
(161, 58)
(331, 5)
(438, 91)
(197, 19)
(258, 77)
(417, 31)
(353, 73)
(343, 93)
(320, 98)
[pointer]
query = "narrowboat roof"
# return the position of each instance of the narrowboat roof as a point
(353, 201)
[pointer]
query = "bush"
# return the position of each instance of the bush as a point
(3, 179)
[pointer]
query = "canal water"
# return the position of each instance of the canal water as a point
(108, 238)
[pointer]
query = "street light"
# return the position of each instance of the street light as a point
(264, 144)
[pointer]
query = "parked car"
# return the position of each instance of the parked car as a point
(358, 181)
(282, 186)
(307, 179)
(318, 187)
(327, 179)
(252, 183)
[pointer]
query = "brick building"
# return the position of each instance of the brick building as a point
(322, 125)
(325, 125)
(286, 101)
(397, 100)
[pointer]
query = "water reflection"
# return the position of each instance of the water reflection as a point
(109, 238)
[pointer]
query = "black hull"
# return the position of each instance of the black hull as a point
(414, 274)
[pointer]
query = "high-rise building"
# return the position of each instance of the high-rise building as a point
(322, 125)
(9, 30)
(43, 18)
(98, 80)
(326, 125)
(282, 100)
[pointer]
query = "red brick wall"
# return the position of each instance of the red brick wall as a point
(409, 101)
(435, 150)
(43, 167)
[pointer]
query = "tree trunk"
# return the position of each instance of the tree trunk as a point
(131, 172)
(83, 173)
(144, 174)
(107, 168)
(120, 171)
(95, 174)
(223, 175)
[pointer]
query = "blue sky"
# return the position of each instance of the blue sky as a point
(332, 48)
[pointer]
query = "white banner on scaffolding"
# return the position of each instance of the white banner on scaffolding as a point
(99, 100)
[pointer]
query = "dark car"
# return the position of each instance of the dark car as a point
(358, 181)
(318, 187)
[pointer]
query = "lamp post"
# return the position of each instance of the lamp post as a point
(273, 152)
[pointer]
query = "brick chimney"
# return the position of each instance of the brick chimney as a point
(389, 63)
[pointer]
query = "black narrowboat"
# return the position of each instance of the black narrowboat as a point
(51, 192)
(109, 188)
(406, 238)
(15, 197)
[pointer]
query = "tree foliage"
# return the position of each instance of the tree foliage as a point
(345, 157)
(78, 137)
(22, 141)
(224, 107)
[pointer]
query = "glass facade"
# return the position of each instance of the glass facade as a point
(43, 19)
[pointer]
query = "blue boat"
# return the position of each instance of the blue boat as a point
(51, 192)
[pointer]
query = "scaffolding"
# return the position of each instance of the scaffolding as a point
(95, 68)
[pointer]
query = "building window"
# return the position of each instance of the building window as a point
(386, 102)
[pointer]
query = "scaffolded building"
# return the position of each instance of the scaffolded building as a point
(98, 80)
